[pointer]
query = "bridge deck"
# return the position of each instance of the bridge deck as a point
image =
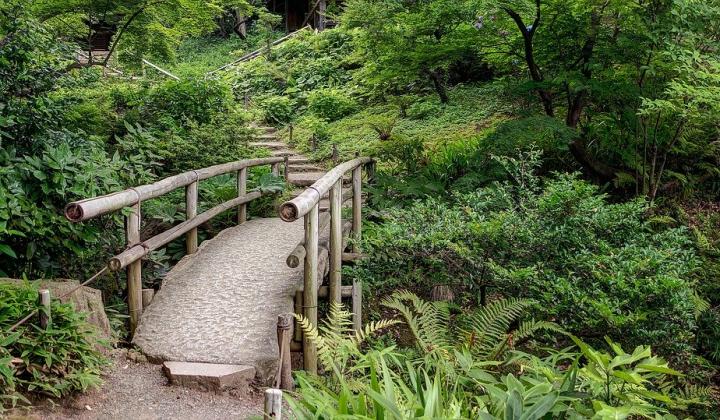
(220, 305)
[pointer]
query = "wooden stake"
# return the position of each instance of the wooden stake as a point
(275, 169)
(297, 331)
(284, 335)
(335, 241)
(335, 155)
(273, 404)
(45, 316)
(286, 168)
(191, 198)
(310, 297)
(356, 209)
(242, 190)
(357, 304)
(134, 270)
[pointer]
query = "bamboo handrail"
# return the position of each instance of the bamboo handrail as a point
(140, 250)
(79, 211)
(133, 198)
(259, 51)
(303, 203)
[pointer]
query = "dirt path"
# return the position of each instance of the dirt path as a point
(139, 391)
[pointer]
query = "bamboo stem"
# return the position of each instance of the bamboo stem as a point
(284, 336)
(242, 190)
(45, 316)
(356, 208)
(310, 297)
(335, 241)
(191, 201)
(134, 269)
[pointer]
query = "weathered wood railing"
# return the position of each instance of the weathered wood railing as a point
(133, 197)
(306, 205)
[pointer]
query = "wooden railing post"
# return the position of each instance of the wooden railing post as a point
(356, 208)
(286, 168)
(275, 169)
(242, 190)
(336, 241)
(191, 198)
(134, 270)
(310, 287)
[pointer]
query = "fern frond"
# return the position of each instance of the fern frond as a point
(485, 330)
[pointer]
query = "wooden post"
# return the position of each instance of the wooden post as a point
(297, 331)
(273, 404)
(356, 208)
(45, 316)
(321, 15)
(247, 100)
(335, 155)
(286, 168)
(275, 169)
(291, 128)
(284, 335)
(371, 172)
(191, 198)
(310, 288)
(242, 190)
(357, 304)
(147, 297)
(336, 241)
(313, 142)
(134, 270)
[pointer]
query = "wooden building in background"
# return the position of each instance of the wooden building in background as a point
(298, 13)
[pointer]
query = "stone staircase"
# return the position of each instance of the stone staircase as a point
(303, 172)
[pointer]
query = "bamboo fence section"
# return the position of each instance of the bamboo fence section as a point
(131, 258)
(306, 205)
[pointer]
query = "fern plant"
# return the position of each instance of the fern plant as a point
(486, 332)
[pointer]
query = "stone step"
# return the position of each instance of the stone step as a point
(267, 136)
(284, 152)
(305, 168)
(299, 160)
(209, 376)
(270, 144)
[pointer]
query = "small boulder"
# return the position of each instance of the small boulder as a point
(210, 376)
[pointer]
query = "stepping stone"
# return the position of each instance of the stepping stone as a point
(270, 144)
(209, 376)
(304, 179)
(266, 137)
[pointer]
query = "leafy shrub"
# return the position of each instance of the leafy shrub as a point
(54, 362)
(594, 267)
(277, 109)
(331, 104)
(187, 101)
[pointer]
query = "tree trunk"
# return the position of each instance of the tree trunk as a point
(436, 78)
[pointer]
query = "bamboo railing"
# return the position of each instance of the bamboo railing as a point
(306, 205)
(130, 259)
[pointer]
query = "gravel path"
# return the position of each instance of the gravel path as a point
(139, 391)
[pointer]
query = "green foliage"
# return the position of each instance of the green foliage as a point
(446, 379)
(55, 362)
(277, 109)
(186, 101)
(331, 104)
(594, 267)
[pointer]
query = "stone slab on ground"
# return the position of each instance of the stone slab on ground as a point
(209, 376)
(220, 304)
